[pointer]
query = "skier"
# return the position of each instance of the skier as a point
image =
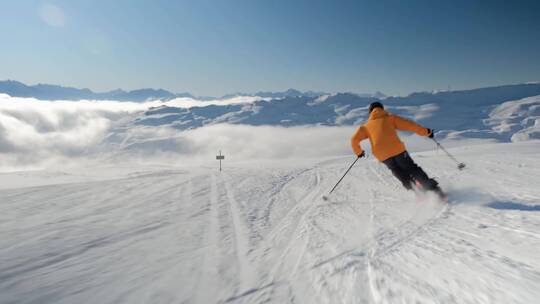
(387, 147)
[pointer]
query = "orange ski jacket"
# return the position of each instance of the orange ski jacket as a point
(381, 131)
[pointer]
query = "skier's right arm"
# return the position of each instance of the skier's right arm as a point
(358, 136)
(407, 125)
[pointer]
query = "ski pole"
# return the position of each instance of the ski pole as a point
(325, 197)
(460, 165)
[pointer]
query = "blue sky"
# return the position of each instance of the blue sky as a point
(224, 46)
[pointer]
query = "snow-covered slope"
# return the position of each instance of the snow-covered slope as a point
(519, 119)
(258, 232)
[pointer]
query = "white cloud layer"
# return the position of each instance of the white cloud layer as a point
(240, 142)
(36, 134)
(34, 131)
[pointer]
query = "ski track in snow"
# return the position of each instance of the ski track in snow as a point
(264, 235)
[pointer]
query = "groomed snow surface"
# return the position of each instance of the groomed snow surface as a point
(259, 232)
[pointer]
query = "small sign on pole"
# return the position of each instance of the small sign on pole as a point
(220, 157)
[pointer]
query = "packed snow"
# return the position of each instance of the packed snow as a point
(259, 232)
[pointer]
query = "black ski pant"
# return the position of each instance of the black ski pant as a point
(407, 171)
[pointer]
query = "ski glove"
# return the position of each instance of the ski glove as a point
(431, 133)
(362, 154)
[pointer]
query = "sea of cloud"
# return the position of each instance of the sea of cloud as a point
(36, 134)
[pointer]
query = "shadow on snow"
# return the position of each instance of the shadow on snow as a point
(513, 206)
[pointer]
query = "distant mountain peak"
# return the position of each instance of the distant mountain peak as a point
(116, 91)
(58, 92)
(50, 91)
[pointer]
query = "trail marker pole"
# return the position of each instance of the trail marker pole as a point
(220, 157)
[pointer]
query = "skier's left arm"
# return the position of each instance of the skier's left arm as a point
(358, 136)
(408, 125)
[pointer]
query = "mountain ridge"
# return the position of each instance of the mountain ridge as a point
(58, 92)
(450, 112)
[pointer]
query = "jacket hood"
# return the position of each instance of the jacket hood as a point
(377, 113)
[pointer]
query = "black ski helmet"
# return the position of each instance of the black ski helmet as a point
(374, 105)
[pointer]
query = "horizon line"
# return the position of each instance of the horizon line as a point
(239, 93)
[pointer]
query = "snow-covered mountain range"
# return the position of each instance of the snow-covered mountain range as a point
(478, 113)
(508, 112)
(56, 92)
